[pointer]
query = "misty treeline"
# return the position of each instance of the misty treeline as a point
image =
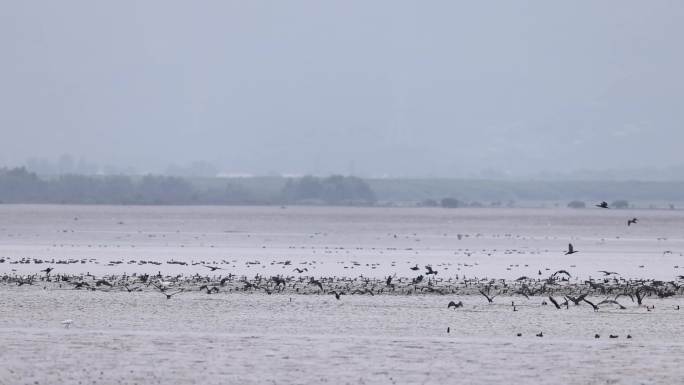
(18, 185)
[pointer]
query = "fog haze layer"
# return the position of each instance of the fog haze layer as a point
(369, 88)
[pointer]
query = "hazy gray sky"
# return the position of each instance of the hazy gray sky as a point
(378, 87)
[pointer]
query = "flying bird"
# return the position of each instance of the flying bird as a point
(561, 272)
(337, 295)
(429, 270)
(454, 305)
(553, 301)
(596, 308)
(571, 249)
(612, 301)
(603, 205)
(632, 221)
(577, 300)
(489, 299)
(168, 296)
(213, 268)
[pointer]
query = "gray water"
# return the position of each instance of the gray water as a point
(120, 337)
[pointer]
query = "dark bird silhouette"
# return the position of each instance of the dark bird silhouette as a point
(300, 271)
(429, 270)
(317, 283)
(489, 299)
(80, 285)
(337, 295)
(603, 205)
(130, 290)
(632, 221)
(606, 273)
(597, 335)
(561, 272)
(47, 271)
(418, 279)
(213, 268)
(553, 301)
(613, 336)
(415, 268)
(612, 301)
(541, 334)
(388, 282)
(168, 296)
(596, 308)
(571, 249)
(454, 305)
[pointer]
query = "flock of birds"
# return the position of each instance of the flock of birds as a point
(558, 290)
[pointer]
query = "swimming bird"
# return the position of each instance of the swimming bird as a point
(541, 334)
(603, 205)
(597, 335)
(632, 221)
(571, 249)
(613, 336)
(454, 305)
(415, 268)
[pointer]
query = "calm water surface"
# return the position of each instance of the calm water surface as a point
(142, 338)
